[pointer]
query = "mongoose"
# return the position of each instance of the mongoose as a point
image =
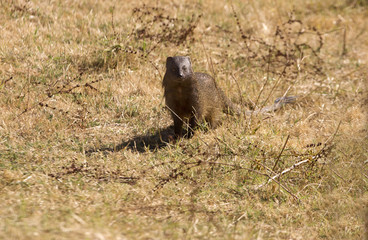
(195, 96)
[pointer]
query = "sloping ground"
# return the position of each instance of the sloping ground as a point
(84, 149)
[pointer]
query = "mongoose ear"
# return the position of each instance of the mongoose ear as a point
(169, 60)
(189, 60)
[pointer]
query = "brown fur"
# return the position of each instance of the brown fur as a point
(192, 96)
(196, 97)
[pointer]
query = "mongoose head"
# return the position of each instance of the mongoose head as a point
(179, 66)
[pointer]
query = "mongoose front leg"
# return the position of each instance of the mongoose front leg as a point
(178, 125)
(192, 125)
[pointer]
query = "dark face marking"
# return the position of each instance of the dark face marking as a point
(179, 66)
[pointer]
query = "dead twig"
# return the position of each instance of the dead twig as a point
(330, 139)
(314, 158)
(239, 90)
(278, 157)
(344, 51)
(3, 82)
(283, 172)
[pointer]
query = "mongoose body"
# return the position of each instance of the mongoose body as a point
(195, 96)
(192, 95)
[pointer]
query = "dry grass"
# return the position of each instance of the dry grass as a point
(83, 128)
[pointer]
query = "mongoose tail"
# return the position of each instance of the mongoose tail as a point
(279, 103)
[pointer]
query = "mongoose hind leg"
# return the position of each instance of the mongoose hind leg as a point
(192, 125)
(213, 117)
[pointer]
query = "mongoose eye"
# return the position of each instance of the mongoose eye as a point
(184, 68)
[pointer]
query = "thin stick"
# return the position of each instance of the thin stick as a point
(279, 156)
(330, 139)
(231, 149)
(256, 103)
(284, 172)
(6, 80)
(264, 84)
(263, 87)
(344, 51)
(287, 190)
(301, 162)
(275, 85)
(239, 90)
(252, 170)
(157, 69)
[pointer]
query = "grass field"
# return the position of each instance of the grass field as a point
(84, 150)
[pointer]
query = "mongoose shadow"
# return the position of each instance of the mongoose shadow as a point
(193, 97)
(141, 143)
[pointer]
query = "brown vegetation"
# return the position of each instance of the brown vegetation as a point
(84, 149)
